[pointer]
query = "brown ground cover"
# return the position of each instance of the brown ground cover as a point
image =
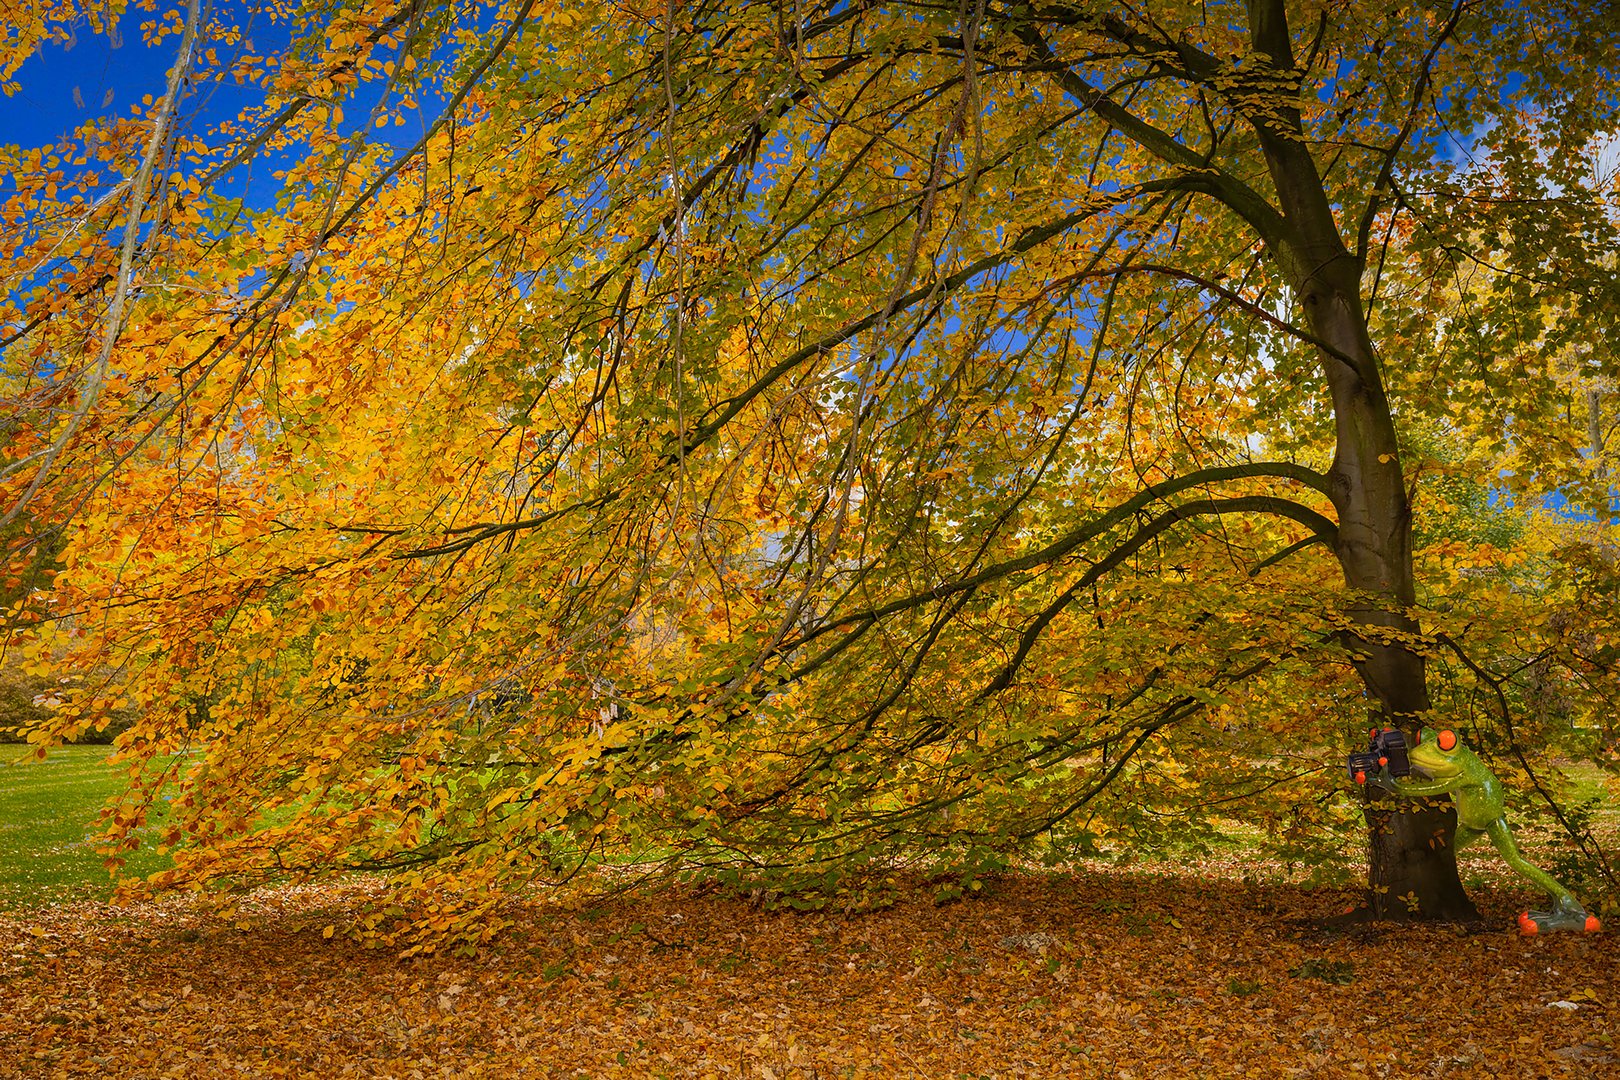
(1049, 976)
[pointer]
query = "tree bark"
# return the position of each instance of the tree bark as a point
(1411, 866)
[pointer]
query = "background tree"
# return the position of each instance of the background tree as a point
(780, 442)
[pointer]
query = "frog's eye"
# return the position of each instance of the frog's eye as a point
(1447, 740)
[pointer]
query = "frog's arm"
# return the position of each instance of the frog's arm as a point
(1417, 789)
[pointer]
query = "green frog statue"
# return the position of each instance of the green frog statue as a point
(1453, 769)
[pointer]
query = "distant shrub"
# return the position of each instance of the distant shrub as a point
(23, 705)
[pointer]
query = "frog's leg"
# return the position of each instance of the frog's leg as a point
(1464, 837)
(1567, 912)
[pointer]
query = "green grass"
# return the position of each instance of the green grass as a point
(1583, 782)
(47, 811)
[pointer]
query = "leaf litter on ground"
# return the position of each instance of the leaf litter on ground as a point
(1093, 974)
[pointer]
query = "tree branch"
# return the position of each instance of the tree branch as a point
(1056, 550)
(125, 282)
(1321, 528)
(1386, 172)
(1232, 192)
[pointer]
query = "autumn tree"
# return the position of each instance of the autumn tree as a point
(780, 443)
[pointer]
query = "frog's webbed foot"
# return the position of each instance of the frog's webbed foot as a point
(1563, 916)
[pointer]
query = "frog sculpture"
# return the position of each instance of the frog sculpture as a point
(1452, 769)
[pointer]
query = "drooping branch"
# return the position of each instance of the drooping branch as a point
(723, 411)
(1321, 528)
(470, 536)
(1080, 535)
(1208, 285)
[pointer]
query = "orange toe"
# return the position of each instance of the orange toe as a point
(1592, 924)
(1527, 925)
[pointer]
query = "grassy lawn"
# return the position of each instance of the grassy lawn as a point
(47, 809)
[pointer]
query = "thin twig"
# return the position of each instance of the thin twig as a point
(97, 376)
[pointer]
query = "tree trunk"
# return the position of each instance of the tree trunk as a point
(1411, 866)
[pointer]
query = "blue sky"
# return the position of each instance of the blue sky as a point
(45, 107)
(65, 84)
(95, 75)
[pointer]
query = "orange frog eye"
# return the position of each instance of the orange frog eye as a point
(1447, 740)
